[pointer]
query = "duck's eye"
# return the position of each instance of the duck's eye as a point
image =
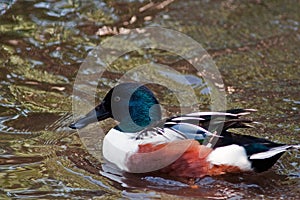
(117, 98)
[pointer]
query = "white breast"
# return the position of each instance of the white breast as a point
(119, 146)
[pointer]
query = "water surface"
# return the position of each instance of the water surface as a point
(255, 45)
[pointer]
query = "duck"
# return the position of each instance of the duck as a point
(191, 145)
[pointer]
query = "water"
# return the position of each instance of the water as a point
(43, 43)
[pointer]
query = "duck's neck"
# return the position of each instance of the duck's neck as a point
(141, 116)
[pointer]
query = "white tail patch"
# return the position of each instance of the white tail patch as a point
(273, 151)
(231, 155)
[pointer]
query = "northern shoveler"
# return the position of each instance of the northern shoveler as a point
(180, 145)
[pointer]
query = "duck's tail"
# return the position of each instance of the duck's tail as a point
(265, 160)
(273, 151)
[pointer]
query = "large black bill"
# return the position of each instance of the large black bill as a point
(97, 114)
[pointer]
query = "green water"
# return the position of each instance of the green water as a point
(255, 44)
